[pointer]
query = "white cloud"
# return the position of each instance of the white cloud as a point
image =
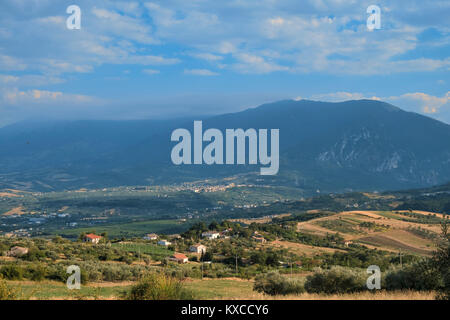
(8, 63)
(207, 56)
(249, 63)
(14, 96)
(150, 71)
(338, 96)
(127, 27)
(29, 80)
(419, 102)
(422, 102)
(327, 36)
(200, 72)
(7, 79)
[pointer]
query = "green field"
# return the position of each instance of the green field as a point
(57, 290)
(220, 288)
(206, 289)
(155, 251)
(130, 230)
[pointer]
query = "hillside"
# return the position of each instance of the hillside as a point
(333, 147)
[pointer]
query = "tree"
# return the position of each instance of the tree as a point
(275, 284)
(207, 256)
(81, 236)
(441, 261)
(213, 225)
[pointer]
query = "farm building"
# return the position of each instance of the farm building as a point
(164, 243)
(210, 235)
(259, 239)
(92, 238)
(179, 257)
(17, 252)
(151, 236)
(197, 248)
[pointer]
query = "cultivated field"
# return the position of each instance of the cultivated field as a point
(386, 230)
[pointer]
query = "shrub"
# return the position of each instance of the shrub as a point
(418, 276)
(57, 272)
(34, 254)
(274, 283)
(7, 292)
(36, 272)
(158, 286)
(11, 272)
(336, 280)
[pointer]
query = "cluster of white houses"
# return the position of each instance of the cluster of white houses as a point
(179, 257)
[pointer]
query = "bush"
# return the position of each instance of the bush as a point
(274, 283)
(34, 254)
(11, 272)
(7, 292)
(418, 276)
(36, 272)
(158, 286)
(336, 280)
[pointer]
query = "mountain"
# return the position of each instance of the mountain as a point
(333, 147)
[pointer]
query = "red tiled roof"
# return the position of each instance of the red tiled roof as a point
(92, 236)
(179, 256)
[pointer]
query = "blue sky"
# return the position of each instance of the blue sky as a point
(172, 58)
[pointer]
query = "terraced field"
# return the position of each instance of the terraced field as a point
(386, 230)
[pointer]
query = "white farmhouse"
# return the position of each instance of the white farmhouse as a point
(164, 243)
(210, 235)
(197, 248)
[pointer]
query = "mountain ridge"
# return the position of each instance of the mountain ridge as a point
(351, 145)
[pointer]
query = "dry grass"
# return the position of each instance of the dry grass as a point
(208, 289)
(302, 249)
(383, 241)
(378, 295)
(8, 195)
(16, 211)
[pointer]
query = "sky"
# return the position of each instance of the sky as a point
(177, 58)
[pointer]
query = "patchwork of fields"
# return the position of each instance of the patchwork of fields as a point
(406, 231)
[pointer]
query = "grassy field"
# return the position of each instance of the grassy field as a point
(208, 289)
(155, 251)
(49, 290)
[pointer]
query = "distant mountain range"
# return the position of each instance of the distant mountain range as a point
(331, 147)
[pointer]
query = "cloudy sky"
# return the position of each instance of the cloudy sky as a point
(172, 58)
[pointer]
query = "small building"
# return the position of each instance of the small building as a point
(92, 238)
(179, 257)
(164, 243)
(151, 236)
(259, 239)
(197, 248)
(210, 235)
(17, 251)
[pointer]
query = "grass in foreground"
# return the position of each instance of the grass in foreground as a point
(208, 289)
